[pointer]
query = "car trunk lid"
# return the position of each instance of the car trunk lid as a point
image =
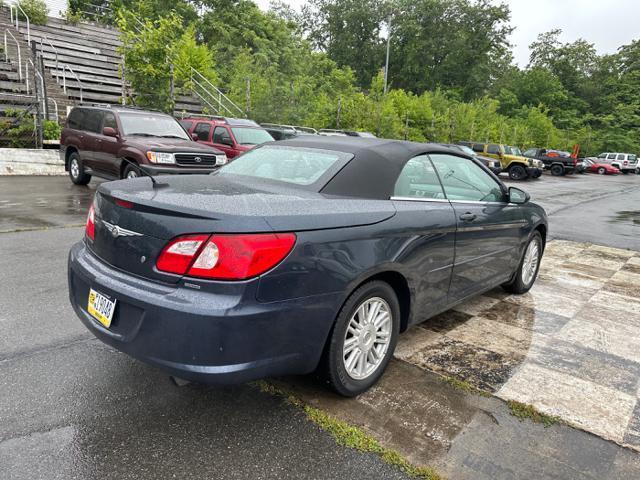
(135, 220)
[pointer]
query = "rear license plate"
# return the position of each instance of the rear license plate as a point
(101, 307)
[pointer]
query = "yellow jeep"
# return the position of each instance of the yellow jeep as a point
(513, 162)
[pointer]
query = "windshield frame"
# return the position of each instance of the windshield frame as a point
(179, 134)
(316, 186)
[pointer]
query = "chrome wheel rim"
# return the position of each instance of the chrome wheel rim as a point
(75, 168)
(132, 174)
(530, 263)
(367, 338)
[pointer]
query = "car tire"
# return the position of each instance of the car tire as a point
(602, 171)
(345, 346)
(517, 172)
(625, 172)
(76, 170)
(557, 170)
(130, 172)
(527, 272)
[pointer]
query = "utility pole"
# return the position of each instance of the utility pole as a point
(248, 97)
(338, 113)
(386, 63)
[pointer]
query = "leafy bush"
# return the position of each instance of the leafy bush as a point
(73, 17)
(51, 130)
(36, 10)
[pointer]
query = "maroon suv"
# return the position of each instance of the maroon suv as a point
(121, 142)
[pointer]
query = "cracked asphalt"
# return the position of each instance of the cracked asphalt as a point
(71, 407)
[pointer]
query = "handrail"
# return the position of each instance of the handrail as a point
(64, 79)
(36, 73)
(17, 6)
(6, 54)
(64, 66)
(55, 50)
(201, 97)
(217, 90)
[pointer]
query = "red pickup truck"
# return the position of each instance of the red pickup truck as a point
(231, 135)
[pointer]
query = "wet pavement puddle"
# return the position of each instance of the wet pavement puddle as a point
(569, 347)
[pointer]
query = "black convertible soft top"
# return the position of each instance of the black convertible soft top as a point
(375, 166)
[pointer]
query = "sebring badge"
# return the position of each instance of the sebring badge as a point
(117, 231)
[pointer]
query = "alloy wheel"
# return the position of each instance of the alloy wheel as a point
(367, 338)
(530, 262)
(132, 174)
(75, 168)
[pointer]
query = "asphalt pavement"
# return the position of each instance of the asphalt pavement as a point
(70, 407)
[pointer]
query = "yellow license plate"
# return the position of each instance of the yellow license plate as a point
(101, 307)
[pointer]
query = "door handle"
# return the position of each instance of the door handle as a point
(468, 217)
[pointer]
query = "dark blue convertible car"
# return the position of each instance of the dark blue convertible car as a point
(311, 253)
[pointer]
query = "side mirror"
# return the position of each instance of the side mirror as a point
(518, 196)
(194, 137)
(109, 132)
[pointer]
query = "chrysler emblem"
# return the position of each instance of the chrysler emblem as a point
(117, 231)
(198, 159)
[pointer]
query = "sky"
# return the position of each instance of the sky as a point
(607, 24)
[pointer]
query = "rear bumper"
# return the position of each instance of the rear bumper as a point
(225, 337)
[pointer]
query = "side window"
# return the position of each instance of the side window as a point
(478, 147)
(219, 134)
(186, 124)
(611, 156)
(110, 121)
(531, 153)
(418, 179)
(76, 119)
(93, 121)
(602, 155)
(202, 131)
(620, 156)
(493, 149)
(464, 180)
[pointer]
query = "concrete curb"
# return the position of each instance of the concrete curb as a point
(24, 161)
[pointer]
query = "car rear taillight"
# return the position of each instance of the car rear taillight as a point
(225, 257)
(90, 229)
(124, 203)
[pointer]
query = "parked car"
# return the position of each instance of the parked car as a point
(329, 132)
(305, 253)
(490, 163)
(517, 166)
(116, 142)
(556, 161)
(592, 166)
(231, 135)
(625, 162)
(283, 132)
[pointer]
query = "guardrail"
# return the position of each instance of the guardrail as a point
(17, 7)
(6, 51)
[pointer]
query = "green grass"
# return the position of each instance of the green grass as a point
(464, 386)
(523, 410)
(350, 436)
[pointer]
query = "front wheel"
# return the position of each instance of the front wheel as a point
(131, 172)
(602, 171)
(517, 172)
(527, 271)
(363, 339)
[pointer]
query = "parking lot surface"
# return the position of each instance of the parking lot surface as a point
(71, 407)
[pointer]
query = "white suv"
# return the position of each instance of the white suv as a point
(625, 162)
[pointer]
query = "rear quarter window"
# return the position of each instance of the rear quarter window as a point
(76, 119)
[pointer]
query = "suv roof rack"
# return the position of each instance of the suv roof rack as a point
(116, 106)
